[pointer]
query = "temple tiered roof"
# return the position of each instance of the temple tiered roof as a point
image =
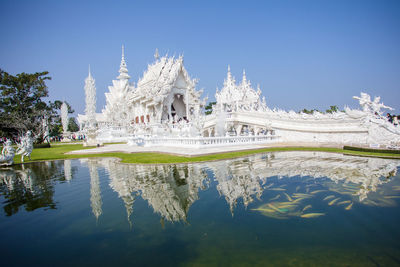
(235, 97)
(117, 106)
(161, 76)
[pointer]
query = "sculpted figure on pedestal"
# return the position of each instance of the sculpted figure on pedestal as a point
(25, 147)
(371, 107)
(7, 154)
(365, 102)
(376, 106)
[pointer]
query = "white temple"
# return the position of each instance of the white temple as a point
(164, 108)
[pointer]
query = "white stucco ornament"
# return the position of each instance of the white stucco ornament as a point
(90, 127)
(7, 154)
(25, 147)
(90, 97)
(64, 117)
(371, 107)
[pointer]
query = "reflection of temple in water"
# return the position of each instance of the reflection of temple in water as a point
(169, 189)
(241, 178)
(367, 173)
(237, 179)
(67, 170)
(95, 194)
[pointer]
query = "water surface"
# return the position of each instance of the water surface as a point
(283, 208)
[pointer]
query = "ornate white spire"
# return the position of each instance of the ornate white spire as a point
(229, 75)
(95, 193)
(230, 80)
(67, 170)
(123, 70)
(90, 93)
(156, 55)
(64, 116)
(234, 97)
(246, 85)
(258, 89)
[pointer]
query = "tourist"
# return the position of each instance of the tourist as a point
(389, 117)
(396, 120)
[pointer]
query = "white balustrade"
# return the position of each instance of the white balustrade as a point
(197, 142)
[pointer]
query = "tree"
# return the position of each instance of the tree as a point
(72, 125)
(332, 109)
(209, 107)
(21, 104)
(56, 105)
(311, 111)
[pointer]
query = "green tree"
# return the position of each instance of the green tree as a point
(55, 129)
(332, 109)
(306, 111)
(209, 107)
(72, 125)
(56, 105)
(21, 104)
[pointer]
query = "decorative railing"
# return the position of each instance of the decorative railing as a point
(198, 142)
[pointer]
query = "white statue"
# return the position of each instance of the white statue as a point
(25, 147)
(365, 102)
(45, 128)
(372, 107)
(7, 154)
(64, 117)
(376, 106)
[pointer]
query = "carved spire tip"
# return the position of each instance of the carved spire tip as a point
(156, 55)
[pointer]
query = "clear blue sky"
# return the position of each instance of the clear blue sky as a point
(304, 54)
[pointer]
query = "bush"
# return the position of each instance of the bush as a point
(373, 150)
(43, 145)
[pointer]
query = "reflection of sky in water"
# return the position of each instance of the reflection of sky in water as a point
(276, 207)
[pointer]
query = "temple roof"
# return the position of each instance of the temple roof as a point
(230, 92)
(123, 69)
(239, 96)
(160, 77)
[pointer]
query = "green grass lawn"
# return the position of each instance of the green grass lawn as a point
(58, 152)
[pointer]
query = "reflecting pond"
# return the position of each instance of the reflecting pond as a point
(281, 208)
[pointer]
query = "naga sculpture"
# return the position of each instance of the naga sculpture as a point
(25, 147)
(7, 154)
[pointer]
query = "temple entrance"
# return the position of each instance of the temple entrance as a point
(178, 108)
(174, 108)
